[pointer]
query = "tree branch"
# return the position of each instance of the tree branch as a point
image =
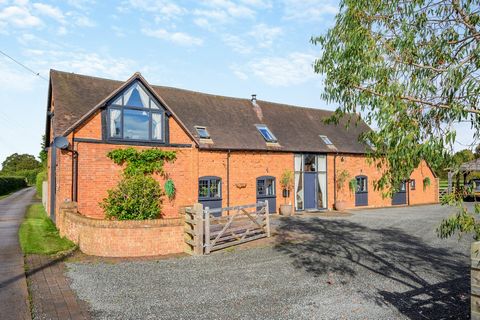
(415, 100)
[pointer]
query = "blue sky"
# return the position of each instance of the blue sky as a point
(232, 48)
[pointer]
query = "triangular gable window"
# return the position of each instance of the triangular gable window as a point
(136, 115)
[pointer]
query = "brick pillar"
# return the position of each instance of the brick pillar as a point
(475, 281)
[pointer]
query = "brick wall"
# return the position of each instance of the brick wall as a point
(245, 168)
(121, 238)
(357, 165)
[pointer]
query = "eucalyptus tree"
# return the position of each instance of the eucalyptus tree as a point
(411, 68)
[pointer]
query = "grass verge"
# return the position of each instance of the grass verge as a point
(38, 234)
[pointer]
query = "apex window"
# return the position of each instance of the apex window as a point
(136, 115)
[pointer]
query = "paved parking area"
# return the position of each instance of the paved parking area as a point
(375, 264)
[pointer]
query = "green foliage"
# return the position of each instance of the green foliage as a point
(41, 176)
(148, 161)
(19, 162)
(170, 189)
(342, 177)
(137, 197)
(352, 185)
(426, 183)
(21, 165)
(410, 68)
(43, 154)
(286, 180)
(38, 234)
(10, 184)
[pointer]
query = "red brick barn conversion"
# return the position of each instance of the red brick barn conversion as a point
(236, 149)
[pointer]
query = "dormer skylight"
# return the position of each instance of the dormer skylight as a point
(202, 132)
(266, 133)
(327, 141)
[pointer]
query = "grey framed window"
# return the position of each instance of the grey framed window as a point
(266, 133)
(266, 186)
(135, 115)
(202, 132)
(362, 184)
(412, 184)
(326, 140)
(209, 188)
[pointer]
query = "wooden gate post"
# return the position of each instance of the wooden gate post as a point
(198, 229)
(475, 281)
(207, 230)
(267, 218)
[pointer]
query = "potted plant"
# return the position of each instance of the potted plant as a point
(286, 182)
(341, 205)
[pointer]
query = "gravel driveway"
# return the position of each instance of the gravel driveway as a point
(375, 264)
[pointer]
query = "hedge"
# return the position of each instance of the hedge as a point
(41, 176)
(10, 184)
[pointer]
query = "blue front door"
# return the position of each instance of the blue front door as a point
(310, 190)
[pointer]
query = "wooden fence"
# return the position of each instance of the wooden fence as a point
(207, 230)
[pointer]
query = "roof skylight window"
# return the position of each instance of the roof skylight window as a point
(266, 133)
(202, 132)
(327, 141)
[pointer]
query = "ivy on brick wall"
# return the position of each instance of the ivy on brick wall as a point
(138, 196)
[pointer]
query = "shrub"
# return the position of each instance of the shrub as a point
(136, 197)
(41, 176)
(10, 184)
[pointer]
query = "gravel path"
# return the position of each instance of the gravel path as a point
(376, 264)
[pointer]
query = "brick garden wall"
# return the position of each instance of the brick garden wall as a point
(121, 238)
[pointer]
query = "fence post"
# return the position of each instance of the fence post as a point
(198, 228)
(267, 218)
(475, 281)
(207, 230)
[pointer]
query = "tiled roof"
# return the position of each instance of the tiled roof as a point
(230, 121)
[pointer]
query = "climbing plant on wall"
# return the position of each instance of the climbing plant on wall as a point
(138, 196)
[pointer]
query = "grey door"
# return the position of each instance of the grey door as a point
(266, 192)
(361, 194)
(310, 192)
(400, 197)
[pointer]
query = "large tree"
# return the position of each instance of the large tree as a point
(19, 162)
(411, 68)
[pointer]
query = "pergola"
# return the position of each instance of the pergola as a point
(465, 168)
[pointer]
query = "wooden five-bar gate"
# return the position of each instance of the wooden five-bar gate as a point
(207, 230)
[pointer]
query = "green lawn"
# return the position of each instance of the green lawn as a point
(39, 235)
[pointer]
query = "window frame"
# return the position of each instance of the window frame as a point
(264, 180)
(326, 139)
(209, 182)
(360, 178)
(206, 131)
(265, 127)
(150, 110)
(412, 184)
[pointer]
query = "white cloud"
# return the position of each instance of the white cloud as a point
(309, 9)
(18, 16)
(265, 35)
(222, 11)
(81, 4)
(16, 79)
(89, 63)
(260, 4)
(175, 37)
(293, 69)
(84, 21)
(237, 71)
(236, 43)
(49, 11)
(163, 9)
